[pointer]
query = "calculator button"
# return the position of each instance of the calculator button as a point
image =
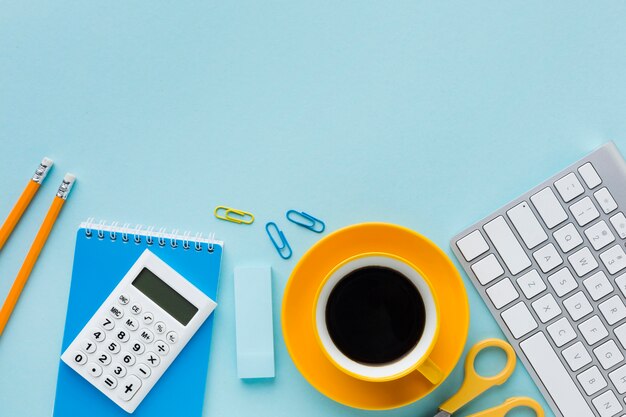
(119, 370)
(143, 370)
(88, 346)
(162, 348)
(123, 299)
(107, 324)
(146, 335)
(103, 358)
(98, 335)
(135, 308)
(159, 327)
(128, 359)
(129, 387)
(113, 347)
(110, 381)
(79, 358)
(153, 359)
(131, 323)
(148, 318)
(123, 335)
(172, 337)
(116, 312)
(138, 347)
(94, 369)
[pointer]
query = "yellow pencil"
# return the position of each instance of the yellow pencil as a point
(35, 250)
(24, 200)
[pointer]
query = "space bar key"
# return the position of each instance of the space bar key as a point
(552, 373)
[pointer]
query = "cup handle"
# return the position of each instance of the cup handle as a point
(431, 371)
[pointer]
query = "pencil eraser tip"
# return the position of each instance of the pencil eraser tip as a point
(69, 177)
(47, 161)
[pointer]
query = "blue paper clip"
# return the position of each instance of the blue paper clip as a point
(283, 249)
(309, 222)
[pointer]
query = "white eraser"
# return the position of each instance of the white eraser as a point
(254, 322)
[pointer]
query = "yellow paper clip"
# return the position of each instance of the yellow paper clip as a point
(241, 217)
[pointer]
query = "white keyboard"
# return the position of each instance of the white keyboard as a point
(551, 267)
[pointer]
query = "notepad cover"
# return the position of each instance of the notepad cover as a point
(99, 264)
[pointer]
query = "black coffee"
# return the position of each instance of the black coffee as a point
(375, 315)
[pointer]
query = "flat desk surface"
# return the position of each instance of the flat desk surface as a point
(426, 114)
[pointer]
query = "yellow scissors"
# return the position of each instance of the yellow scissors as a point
(475, 384)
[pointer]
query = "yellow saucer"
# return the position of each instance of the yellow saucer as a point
(299, 329)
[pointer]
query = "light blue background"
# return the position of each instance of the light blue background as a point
(426, 114)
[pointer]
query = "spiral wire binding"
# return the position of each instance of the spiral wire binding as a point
(148, 233)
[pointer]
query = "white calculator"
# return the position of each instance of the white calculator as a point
(138, 331)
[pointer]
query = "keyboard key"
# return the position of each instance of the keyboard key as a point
(472, 245)
(569, 187)
(589, 174)
(502, 293)
(621, 283)
(613, 309)
(129, 387)
(555, 377)
(607, 404)
(598, 285)
(578, 306)
(568, 237)
(583, 261)
(576, 356)
(605, 199)
(620, 332)
(593, 330)
(519, 320)
(618, 378)
(487, 269)
(563, 282)
(584, 211)
(608, 354)
(592, 380)
(619, 223)
(549, 207)
(614, 259)
(527, 225)
(599, 235)
(531, 284)
(546, 308)
(561, 332)
(547, 258)
(507, 245)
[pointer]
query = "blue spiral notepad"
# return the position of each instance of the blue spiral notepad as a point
(102, 256)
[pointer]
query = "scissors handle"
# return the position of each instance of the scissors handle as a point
(508, 405)
(475, 384)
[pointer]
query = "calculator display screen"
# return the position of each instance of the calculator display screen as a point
(165, 296)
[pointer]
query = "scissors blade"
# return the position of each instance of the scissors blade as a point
(442, 413)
